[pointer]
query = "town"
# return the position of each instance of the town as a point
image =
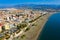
(14, 22)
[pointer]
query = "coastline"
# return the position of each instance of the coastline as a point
(46, 19)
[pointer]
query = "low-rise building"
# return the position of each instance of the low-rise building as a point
(7, 27)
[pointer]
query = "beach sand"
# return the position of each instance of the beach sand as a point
(34, 32)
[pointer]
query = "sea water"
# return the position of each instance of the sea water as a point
(51, 30)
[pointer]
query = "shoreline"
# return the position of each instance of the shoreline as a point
(43, 26)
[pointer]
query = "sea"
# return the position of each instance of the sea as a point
(51, 30)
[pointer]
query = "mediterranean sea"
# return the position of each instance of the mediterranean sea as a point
(51, 30)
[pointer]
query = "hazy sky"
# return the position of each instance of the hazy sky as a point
(4, 2)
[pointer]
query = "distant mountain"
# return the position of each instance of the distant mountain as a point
(33, 6)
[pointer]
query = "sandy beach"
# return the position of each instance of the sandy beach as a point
(34, 32)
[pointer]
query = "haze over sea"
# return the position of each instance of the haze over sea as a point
(51, 30)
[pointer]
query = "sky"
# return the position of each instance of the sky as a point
(7, 2)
